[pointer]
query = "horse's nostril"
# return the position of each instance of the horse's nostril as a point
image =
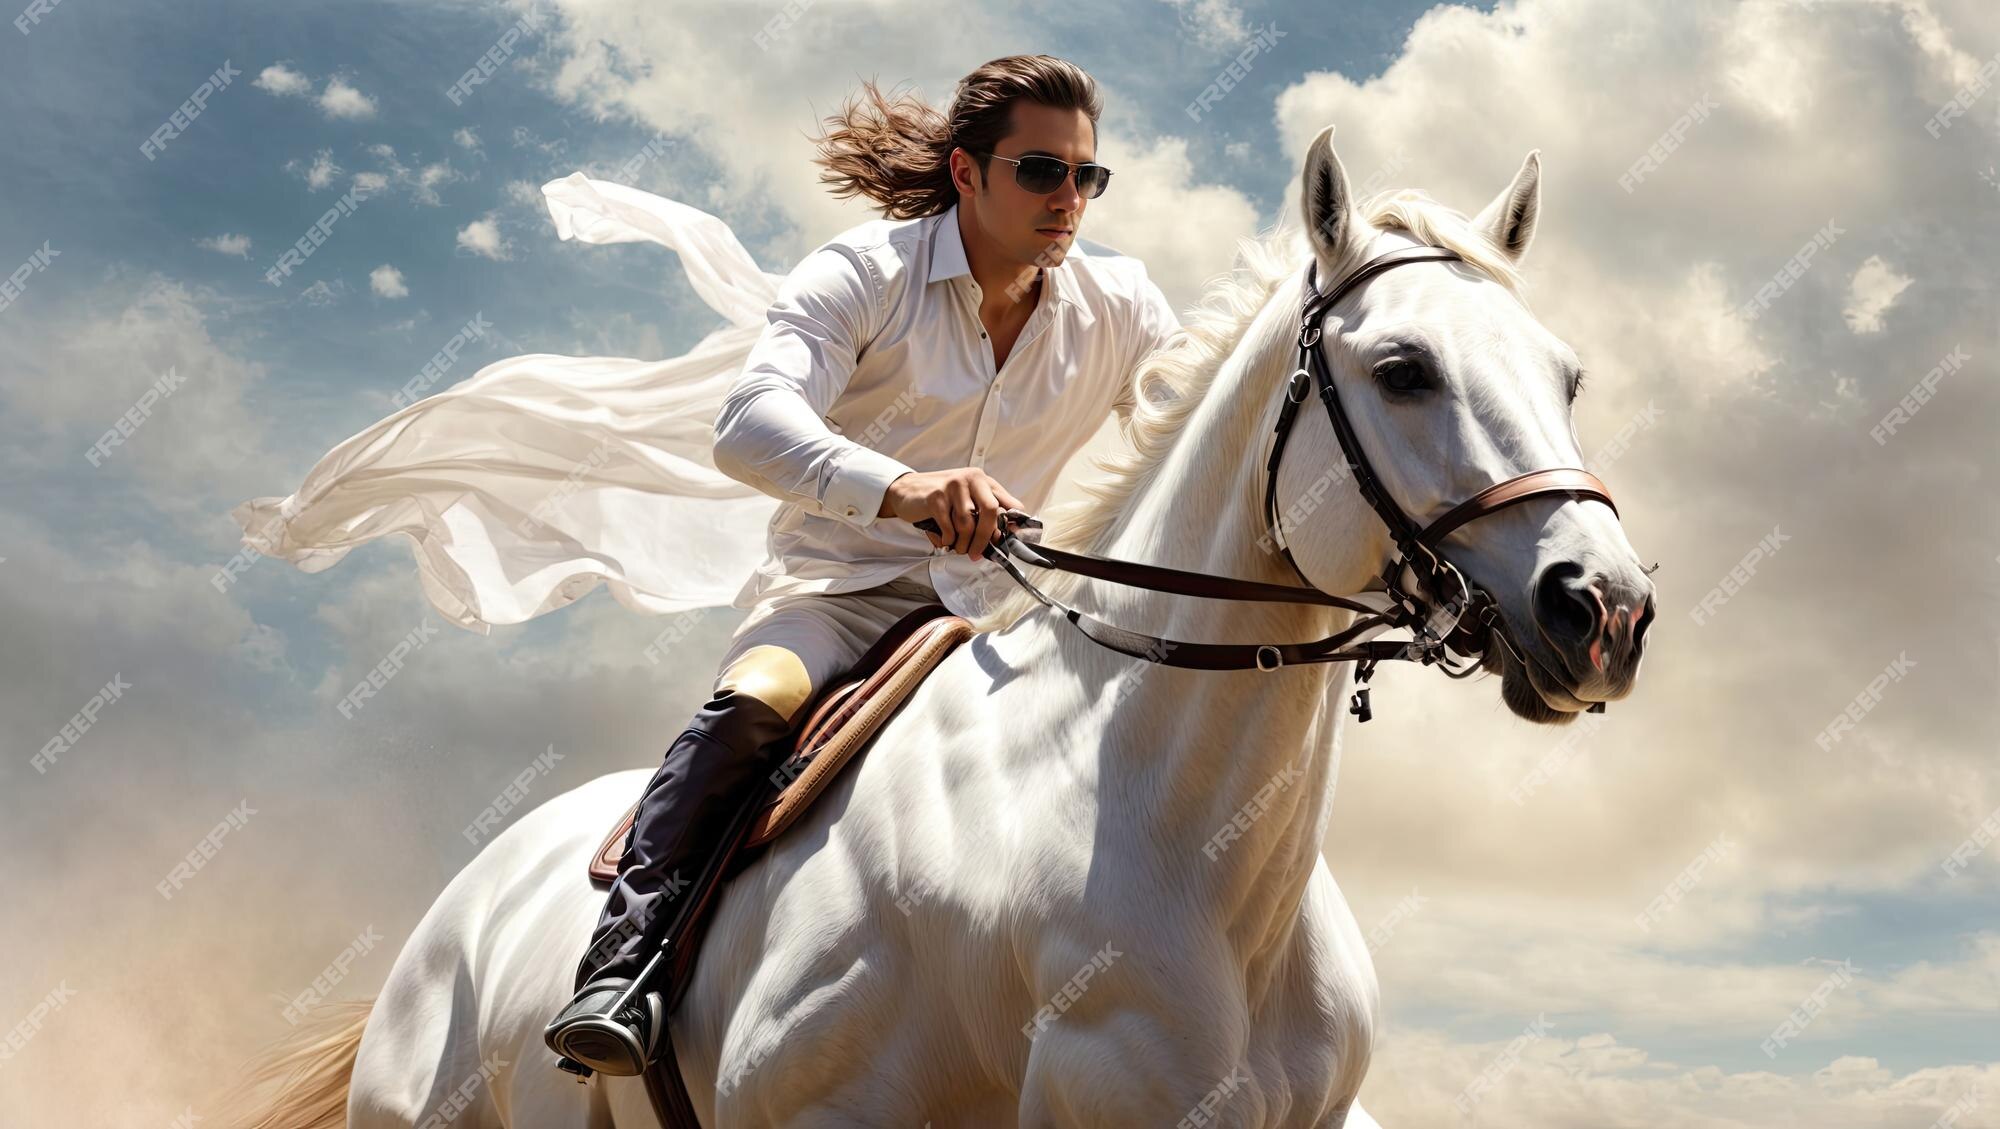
(1565, 606)
(1639, 628)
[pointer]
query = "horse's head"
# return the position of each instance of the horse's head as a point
(1453, 386)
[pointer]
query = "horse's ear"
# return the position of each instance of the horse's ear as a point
(1509, 221)
(1326, 203)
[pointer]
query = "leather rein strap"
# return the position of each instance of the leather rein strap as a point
(1194, 656)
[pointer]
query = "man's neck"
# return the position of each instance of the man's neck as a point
(1002, 282)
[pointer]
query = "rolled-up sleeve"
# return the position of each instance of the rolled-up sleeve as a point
(1153, 324)
(772, 432)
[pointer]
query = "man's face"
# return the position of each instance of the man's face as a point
(1030, 229)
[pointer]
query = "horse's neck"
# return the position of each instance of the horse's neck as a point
(1233, 771)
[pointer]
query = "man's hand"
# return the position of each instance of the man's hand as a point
(950, 497)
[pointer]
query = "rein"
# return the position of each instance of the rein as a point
(1447, 614)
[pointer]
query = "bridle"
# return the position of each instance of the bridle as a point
(1446, 613)
(1474, 613)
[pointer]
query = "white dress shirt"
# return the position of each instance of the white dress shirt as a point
(873, 363)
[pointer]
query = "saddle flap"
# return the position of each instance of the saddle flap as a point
(840, 724)
(860, 710)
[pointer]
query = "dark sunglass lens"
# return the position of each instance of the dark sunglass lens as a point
(1041, 174)
(1091, 180)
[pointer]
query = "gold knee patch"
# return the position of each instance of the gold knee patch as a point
(772, 675)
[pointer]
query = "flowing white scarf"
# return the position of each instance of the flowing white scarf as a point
(542, 475)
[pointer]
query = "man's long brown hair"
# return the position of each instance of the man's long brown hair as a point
(896, 150)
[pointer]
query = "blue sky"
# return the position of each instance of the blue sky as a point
(109, 568)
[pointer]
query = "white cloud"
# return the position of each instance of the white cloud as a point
(341, 100)
(1214, 24)
(466, 138)
(422, 182)
(1870, 293)
(432, 175)
(482, 237)
(76, 372)
(318, 173)
(526, 193)
(387, 282)
(1569, 1079)
(237, 245)
(524, 138)
(283, 81)
(321, 293)
(1590, 956)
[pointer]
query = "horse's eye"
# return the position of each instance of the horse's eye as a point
(1402, 376)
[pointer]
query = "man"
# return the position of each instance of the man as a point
(909, 368)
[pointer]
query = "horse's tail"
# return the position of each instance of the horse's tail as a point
(301, 1081)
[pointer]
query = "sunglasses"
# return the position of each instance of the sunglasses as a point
(1043, 175)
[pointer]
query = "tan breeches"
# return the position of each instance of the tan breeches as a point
(790, 646)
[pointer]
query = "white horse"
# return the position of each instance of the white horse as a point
(1020, 908)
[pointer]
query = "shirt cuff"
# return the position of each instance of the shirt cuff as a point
(854, 491)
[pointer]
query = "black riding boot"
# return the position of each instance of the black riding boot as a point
(708, 775)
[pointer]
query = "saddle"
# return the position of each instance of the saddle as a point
(840, 723)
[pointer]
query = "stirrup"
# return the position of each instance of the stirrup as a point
(604, 1029)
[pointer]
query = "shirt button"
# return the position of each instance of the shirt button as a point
(852, 512)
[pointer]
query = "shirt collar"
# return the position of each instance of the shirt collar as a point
(948, 259)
